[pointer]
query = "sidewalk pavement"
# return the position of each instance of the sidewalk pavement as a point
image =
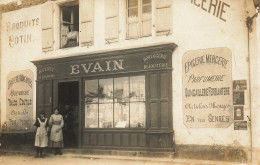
(169, 160)
(127, 158)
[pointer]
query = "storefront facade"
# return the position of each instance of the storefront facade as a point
(157, 76)
(124, 97)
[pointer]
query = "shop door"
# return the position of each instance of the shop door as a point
(44, 98)
(68, 104)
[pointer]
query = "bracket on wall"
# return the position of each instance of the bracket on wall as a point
(249, 20)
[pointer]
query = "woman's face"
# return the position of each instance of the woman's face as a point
(56, 112)
(41, 115)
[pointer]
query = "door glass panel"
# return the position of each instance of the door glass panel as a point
(91, 113)
(132, 3)
(133, 12)
(147, 9)
(146, 2)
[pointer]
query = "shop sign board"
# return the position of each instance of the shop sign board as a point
(207, 88)
(19, 101)
(89, 66)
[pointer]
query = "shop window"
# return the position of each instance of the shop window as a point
(139, 18)
(69, 25)
(115, 102)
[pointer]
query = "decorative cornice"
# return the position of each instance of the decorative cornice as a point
(129, 51)
(25, 3)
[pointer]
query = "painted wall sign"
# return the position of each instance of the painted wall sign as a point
(19, 31)
(215, 7)
(108, 65)
(19, 100)
(207, 88)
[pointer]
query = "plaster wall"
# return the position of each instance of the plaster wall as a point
(255, 86)
(193, 29)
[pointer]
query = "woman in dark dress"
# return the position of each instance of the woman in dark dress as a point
(41, 138)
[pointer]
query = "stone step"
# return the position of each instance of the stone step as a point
(119, 153)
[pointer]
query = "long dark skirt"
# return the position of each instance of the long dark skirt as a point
(54, 144)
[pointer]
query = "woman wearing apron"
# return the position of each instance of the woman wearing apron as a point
(41, 138)
(56, 136)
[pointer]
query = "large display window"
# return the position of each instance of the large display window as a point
(115, 102)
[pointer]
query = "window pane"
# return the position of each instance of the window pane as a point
(147, 9)
(121, 89)
(137, 115)
(66, 15)
(105, 90)
(91, 113)
(105, 115)
(132, 3)
(146, 2)
(137, 88)
(121, 112)
(91, 91)
(133, 12)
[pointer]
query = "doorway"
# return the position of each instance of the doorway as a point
(68, 104)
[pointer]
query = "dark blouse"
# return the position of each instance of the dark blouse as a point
(37, 123)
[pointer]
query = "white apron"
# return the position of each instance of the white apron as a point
(56, 131)
(41, 138)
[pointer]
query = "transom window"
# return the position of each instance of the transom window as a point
(115, 102)
(139, 18)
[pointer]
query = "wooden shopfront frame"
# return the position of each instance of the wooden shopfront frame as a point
(154, 62)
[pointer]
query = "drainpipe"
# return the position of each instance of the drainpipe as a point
(249, 22)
